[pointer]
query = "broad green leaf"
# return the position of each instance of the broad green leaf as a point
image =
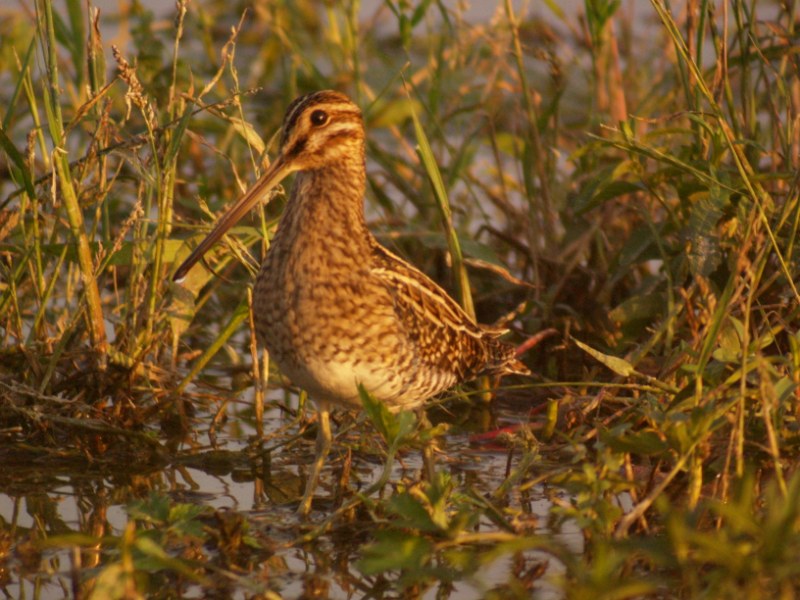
(637, 309)
(113, 582)
(395, 428)
(705, 254)
(158, 558)
(18, 161)
(729, 341)
(394, 551)
(620, 366)
(377, 412)
(413, 513)
(636, 442)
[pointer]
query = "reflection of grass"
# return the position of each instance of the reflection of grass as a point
(638, 179)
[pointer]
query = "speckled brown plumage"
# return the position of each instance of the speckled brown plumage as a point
(333, 307)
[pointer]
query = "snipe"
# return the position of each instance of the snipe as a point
(332, 306)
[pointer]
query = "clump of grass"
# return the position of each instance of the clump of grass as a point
(628, 181)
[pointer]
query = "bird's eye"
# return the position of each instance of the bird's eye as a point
(319, 118)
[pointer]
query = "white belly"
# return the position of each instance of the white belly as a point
(337, 381)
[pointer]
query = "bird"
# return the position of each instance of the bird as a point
(334, 308)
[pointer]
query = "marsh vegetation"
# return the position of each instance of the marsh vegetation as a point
(624, 174)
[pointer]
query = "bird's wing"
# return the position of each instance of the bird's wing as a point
(446, 337)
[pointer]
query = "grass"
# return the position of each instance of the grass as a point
(625, 174)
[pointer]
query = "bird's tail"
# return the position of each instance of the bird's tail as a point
(503, 358)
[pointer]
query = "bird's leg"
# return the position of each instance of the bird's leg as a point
(428, 459)
(323, 447)
(344, 478)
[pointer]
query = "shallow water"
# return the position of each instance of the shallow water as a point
(41, 499)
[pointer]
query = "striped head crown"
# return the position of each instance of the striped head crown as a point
(320, 127)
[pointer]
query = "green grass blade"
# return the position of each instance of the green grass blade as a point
(428, 160)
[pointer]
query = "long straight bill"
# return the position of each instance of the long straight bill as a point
(274, 175)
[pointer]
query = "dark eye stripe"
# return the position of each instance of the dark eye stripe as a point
(336, 105)
(341, 133)
(298, 147)
(342, 129)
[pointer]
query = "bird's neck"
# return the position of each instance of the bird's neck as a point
(327, 203)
